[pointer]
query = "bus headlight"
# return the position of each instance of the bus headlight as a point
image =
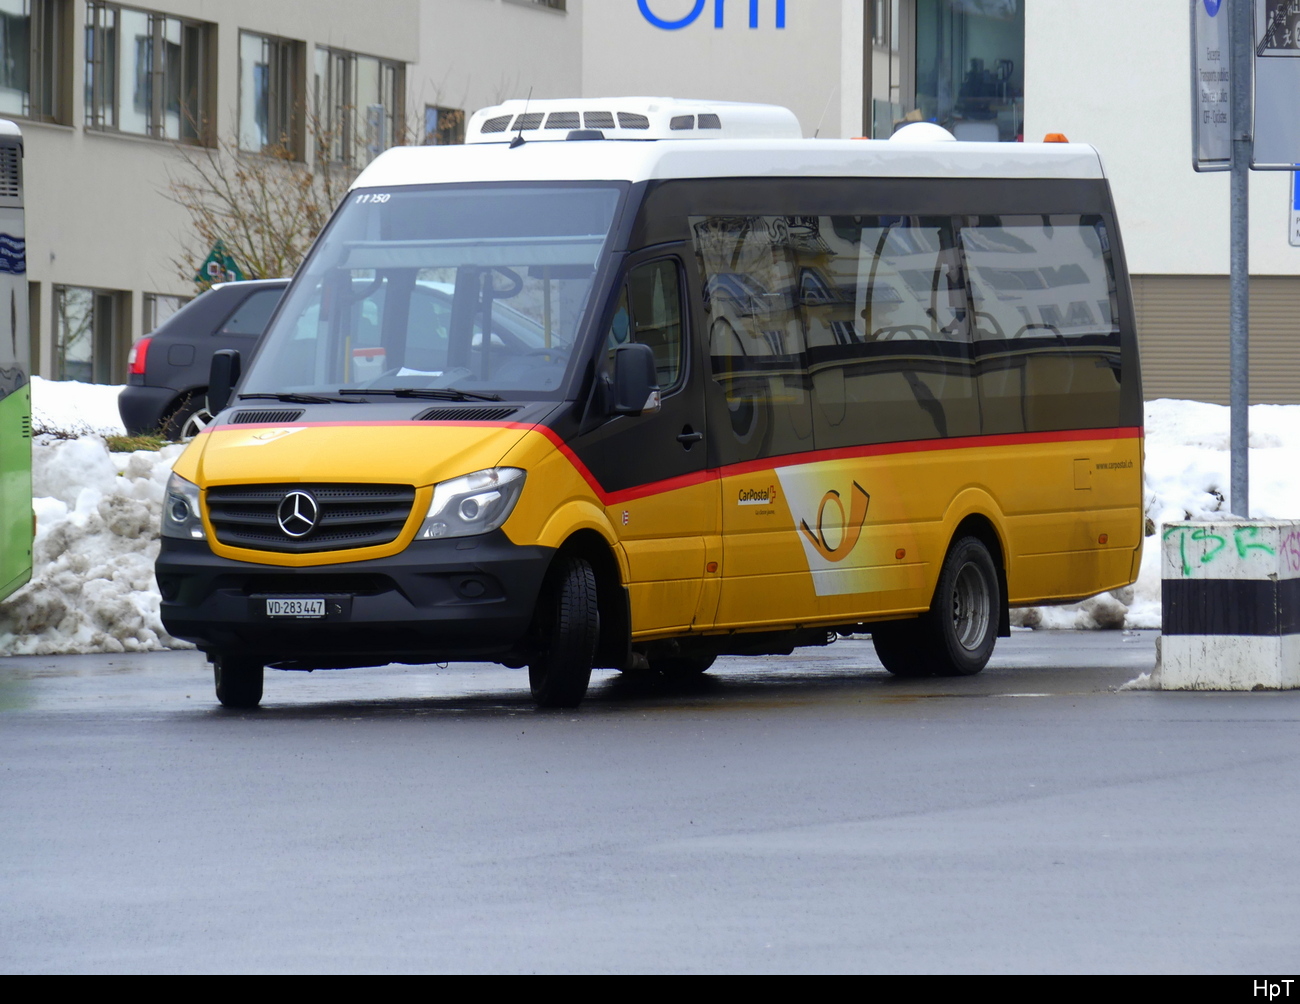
(475, 503)
(181, 515)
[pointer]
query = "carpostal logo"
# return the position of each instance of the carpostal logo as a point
(697, 8)
(757, 496)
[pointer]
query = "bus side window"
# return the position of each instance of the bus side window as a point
(649, 312)
(1046, 321)
(890, 359)
(750, 270)
(656, 303)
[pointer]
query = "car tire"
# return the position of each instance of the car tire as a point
(567, 627)
(187, 421)
(238, 679)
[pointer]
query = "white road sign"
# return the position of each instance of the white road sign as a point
(1211, 95)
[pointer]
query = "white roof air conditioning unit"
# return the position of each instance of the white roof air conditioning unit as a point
(629, 118)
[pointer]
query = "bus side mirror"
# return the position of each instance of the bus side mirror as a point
(222, 378)
(636, 381)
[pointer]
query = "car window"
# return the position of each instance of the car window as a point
(250, 317)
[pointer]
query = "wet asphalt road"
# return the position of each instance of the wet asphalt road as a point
(800, 814)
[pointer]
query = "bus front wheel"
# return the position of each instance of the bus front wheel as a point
(238, 678)
(567, 629)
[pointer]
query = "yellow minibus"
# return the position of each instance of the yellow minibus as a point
(633, 383)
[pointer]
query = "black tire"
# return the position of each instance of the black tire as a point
(238, 678)
(567, 627)
(903, 648)
(682, 667)
(189, 419)
(964, 614)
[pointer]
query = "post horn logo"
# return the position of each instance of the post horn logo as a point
(856, 516)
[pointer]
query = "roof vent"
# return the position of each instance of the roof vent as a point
(564, 120)
(9, 174)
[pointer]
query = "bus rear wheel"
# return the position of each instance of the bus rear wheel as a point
(567, 629)
(964, 615)
(238, 678)
(956, 636)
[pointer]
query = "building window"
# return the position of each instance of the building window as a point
(87, 346)
(33, 58)
(157, 308)
(358, 106)
(970, 67)
(269, 94)
(146, 74)
(443, 126)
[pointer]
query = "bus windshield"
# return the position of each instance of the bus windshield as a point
(472, 289)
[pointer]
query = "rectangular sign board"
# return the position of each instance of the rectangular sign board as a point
(1211, 92)
(1277, 85)
(1295, 209)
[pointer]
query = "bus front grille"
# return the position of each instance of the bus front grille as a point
(301, 519)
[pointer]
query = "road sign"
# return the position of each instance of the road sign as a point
(219, 266)
(1211, 94)
(1295, 209)
(1277, 85)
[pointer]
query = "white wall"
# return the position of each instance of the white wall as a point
(474, 53)
(798, 66)
(1117, 74)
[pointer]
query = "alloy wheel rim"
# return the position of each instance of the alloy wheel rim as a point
(971, 606)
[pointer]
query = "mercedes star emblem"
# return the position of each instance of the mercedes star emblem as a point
(297, 514)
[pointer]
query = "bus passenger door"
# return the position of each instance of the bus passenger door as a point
(652, 468)
(755, 275)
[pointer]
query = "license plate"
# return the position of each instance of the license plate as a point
(295, 608)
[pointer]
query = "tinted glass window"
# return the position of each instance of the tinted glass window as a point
(1046, 321)
(250, 317)
(750, 270)
(889, 352)
(657, 317)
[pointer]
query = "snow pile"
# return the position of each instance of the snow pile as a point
(1188, 477)
(69, 407)
(97, 518)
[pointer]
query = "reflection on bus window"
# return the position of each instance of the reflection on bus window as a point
(1046, 325)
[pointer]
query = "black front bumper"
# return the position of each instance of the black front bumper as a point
(435, 601)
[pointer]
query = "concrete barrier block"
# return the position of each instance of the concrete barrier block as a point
(1230, 595)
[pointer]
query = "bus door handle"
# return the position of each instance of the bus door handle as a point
(689, 437)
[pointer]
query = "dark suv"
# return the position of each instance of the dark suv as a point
(167, 382)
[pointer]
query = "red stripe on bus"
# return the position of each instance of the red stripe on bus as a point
(744, 467)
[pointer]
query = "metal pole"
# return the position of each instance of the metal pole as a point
(1243, 59)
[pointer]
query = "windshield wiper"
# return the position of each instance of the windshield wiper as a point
(436, 393)
(297, 398)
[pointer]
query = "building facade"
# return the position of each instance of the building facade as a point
(115, 101)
